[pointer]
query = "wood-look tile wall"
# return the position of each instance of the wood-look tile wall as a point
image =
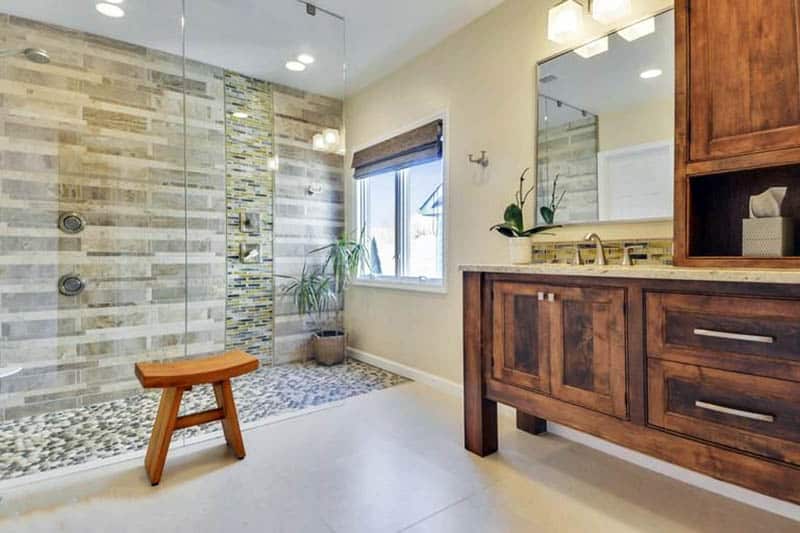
(303, 221)
(99, 131)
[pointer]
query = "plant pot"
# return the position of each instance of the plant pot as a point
(329, 347)
(520, 250)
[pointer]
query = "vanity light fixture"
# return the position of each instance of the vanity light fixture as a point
(306, 59)
(607, 11)
(638, 30)
(650, 73)
(564, 21)
(593, 48)
(110, 10)
(295, 66)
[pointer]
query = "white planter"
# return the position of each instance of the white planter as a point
(520, 250)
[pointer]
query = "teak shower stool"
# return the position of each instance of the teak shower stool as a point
(179, 376)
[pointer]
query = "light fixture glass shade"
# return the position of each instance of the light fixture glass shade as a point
(318, 142)
(593, 48)
(295, 66)
(650, 73)
(273, 164)
(564, 21)
(606, 11)
(331, 137)
(110, 10)
(640, 29)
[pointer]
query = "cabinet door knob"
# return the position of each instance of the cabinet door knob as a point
(540, 295)
(551, 297)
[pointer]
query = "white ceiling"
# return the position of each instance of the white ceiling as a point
(610, 82)
(256, 37)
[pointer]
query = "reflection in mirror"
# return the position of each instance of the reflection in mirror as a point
(605, 127)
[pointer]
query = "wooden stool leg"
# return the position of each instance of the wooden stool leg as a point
(162, 433)
(230, 424)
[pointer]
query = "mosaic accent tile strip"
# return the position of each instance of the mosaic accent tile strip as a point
(41, 443)
(249, 145)
(100, 131)
(303, 222)
(650, 252)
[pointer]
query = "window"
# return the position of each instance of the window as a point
(402, 213)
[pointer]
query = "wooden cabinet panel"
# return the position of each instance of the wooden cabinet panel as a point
(587, 348)
(751, 413)
(758, 335)
(520, 320)
(744, 77)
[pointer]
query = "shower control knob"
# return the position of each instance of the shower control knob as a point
(71, 285)
(71, 222)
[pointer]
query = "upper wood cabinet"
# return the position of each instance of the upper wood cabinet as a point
(743, 76)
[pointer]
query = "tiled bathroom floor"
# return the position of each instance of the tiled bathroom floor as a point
(72, 437)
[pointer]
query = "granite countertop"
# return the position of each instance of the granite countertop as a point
(644, 272)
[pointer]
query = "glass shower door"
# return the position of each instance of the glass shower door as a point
(92, 200)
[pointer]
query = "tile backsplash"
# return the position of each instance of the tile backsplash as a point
(649, 251)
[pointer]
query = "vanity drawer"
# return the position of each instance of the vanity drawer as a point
(750, 413)
(745, 334)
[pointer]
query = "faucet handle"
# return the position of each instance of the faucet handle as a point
(626, 254)
(577, 259)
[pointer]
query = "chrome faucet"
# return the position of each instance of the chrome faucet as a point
(600, 255)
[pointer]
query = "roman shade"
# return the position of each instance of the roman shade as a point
(415, 147)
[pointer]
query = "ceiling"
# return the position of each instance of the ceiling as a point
(610, 82)
(257, 37)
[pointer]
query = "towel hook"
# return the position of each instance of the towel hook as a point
(482, 160)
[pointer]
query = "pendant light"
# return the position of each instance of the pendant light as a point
(607, 11)
(564, 21)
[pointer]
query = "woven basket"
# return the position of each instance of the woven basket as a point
(329, 349)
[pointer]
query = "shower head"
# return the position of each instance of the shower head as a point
(35, 55)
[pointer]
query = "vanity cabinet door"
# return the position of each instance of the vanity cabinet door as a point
(520, 332)
(744, 77)
(587, 348)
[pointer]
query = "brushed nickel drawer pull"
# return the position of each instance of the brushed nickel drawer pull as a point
(733, 336)
(540, 296)
(735, 412)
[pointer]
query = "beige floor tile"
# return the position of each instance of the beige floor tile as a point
(382, 462)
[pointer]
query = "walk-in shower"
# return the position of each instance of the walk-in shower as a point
(130, 150)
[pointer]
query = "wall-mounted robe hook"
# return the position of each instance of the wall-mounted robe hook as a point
(482, 160)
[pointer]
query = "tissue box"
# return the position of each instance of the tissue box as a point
(772, 236)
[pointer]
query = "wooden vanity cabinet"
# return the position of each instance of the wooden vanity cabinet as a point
(705, 375)
(568, 342)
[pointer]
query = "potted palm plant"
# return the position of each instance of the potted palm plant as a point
(513, 225)
(319, 292)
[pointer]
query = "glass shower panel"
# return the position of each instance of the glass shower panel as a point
(92, 200)
(263, 79)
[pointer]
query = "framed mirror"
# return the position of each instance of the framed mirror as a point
(605, 127)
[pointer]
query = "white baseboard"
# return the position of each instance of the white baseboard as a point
(734, 492)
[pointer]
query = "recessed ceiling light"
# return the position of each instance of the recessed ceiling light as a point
(295, 66)
(593, 48)
(306, 59)
(114, 1)
(110, 10)
(640, 29)
(239, 114)
(650, 73)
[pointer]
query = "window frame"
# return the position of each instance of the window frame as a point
(411, 283)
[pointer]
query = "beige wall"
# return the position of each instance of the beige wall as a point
(482, 77)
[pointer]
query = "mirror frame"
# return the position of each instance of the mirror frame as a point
(536, 126)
